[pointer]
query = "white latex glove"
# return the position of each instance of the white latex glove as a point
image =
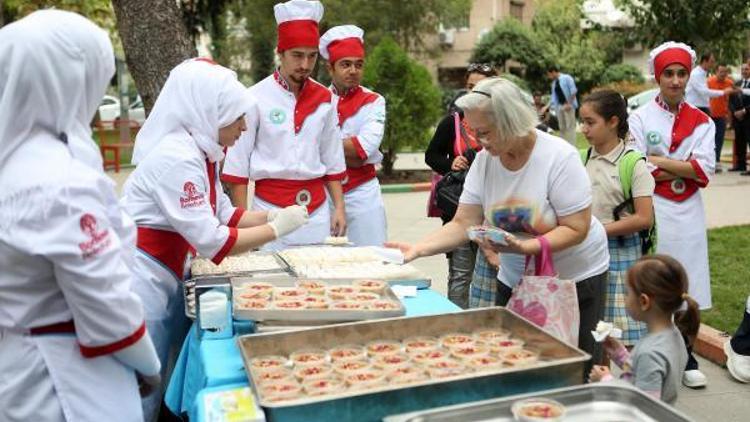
(272, 213)
(288, 220)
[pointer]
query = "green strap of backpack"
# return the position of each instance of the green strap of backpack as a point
(626, 169)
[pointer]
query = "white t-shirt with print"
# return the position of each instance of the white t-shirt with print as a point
(528, 201)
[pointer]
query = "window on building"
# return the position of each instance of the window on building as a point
(458, 22)
(516, 9)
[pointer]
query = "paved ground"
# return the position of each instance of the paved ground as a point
(727, 202)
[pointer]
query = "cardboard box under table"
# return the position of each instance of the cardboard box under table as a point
(560, 365)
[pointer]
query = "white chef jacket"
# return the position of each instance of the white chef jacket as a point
(680, 217)
(287, 139)
(361, 114)
(175, 190)
(65, 252)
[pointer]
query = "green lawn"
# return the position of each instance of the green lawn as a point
(728, 251)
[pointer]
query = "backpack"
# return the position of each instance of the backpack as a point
(626, 167)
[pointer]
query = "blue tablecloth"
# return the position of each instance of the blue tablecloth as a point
(217, 362)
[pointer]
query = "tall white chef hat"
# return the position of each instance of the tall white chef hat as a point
(297, 22)
(342, 41)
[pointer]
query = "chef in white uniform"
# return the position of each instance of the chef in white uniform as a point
(678, 140)
(175, 197)
(72, 334)
(292, 148)
(361, 118)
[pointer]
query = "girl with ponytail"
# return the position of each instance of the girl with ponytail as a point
(622, 191)
(656, 295)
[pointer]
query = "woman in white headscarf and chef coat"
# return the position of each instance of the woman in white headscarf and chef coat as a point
(72, 334)
(176, 199)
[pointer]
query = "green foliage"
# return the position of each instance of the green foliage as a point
(622, 72)
(99, 11)
(407, 22)
(719, 26)
(727, 253)
(413, 102)
(511, 40)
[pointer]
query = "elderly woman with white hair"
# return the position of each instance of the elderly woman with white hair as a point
(530, 184)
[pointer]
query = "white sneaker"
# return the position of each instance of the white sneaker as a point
(737, 364)
(694, 378)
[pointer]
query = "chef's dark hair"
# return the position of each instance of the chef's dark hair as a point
(608, 103)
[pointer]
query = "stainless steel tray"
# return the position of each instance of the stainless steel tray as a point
(188, 286)
(419, 283)
(311, 316)
(592, 402)
(561, 366)
(283, 268)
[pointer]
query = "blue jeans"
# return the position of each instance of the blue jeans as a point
(721, 128)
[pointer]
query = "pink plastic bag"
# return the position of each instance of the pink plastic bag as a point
(545, 300)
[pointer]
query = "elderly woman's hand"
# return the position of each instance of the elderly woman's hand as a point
(410, 251)
(515, 245)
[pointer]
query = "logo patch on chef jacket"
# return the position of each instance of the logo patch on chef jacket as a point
(98, 239)
(191, 198)
(678, 186)
(277, 116)
(653, 138)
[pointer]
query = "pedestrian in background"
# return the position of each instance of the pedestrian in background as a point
(719, 107)
(563, 100)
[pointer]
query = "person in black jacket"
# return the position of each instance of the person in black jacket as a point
(739, 107)
(442, 158)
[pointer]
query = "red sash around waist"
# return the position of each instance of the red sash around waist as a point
(283, 193)
(358, 176)
(168, 247)
(677, 190)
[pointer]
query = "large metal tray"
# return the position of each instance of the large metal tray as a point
(419, 283)
(592, 402)
(311, 316)
(561, 366)
(189, 286)
(283, 268)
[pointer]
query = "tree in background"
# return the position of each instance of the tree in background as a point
(155, 40)
(413, 101)
(512, 40)
(718, 26)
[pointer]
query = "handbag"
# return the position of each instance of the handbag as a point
(448, 190)
(545, 300)
(432, 208)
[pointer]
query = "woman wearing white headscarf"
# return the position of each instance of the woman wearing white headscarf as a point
(175, 195)
(72, 333)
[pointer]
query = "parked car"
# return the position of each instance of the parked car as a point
(136, 112)
(109, 108)
(639, 100)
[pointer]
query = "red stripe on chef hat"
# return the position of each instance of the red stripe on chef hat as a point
(347, 47)
(671, 56)
(298, 33)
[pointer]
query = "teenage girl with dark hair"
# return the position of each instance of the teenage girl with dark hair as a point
(657, 289)
(624, 207)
